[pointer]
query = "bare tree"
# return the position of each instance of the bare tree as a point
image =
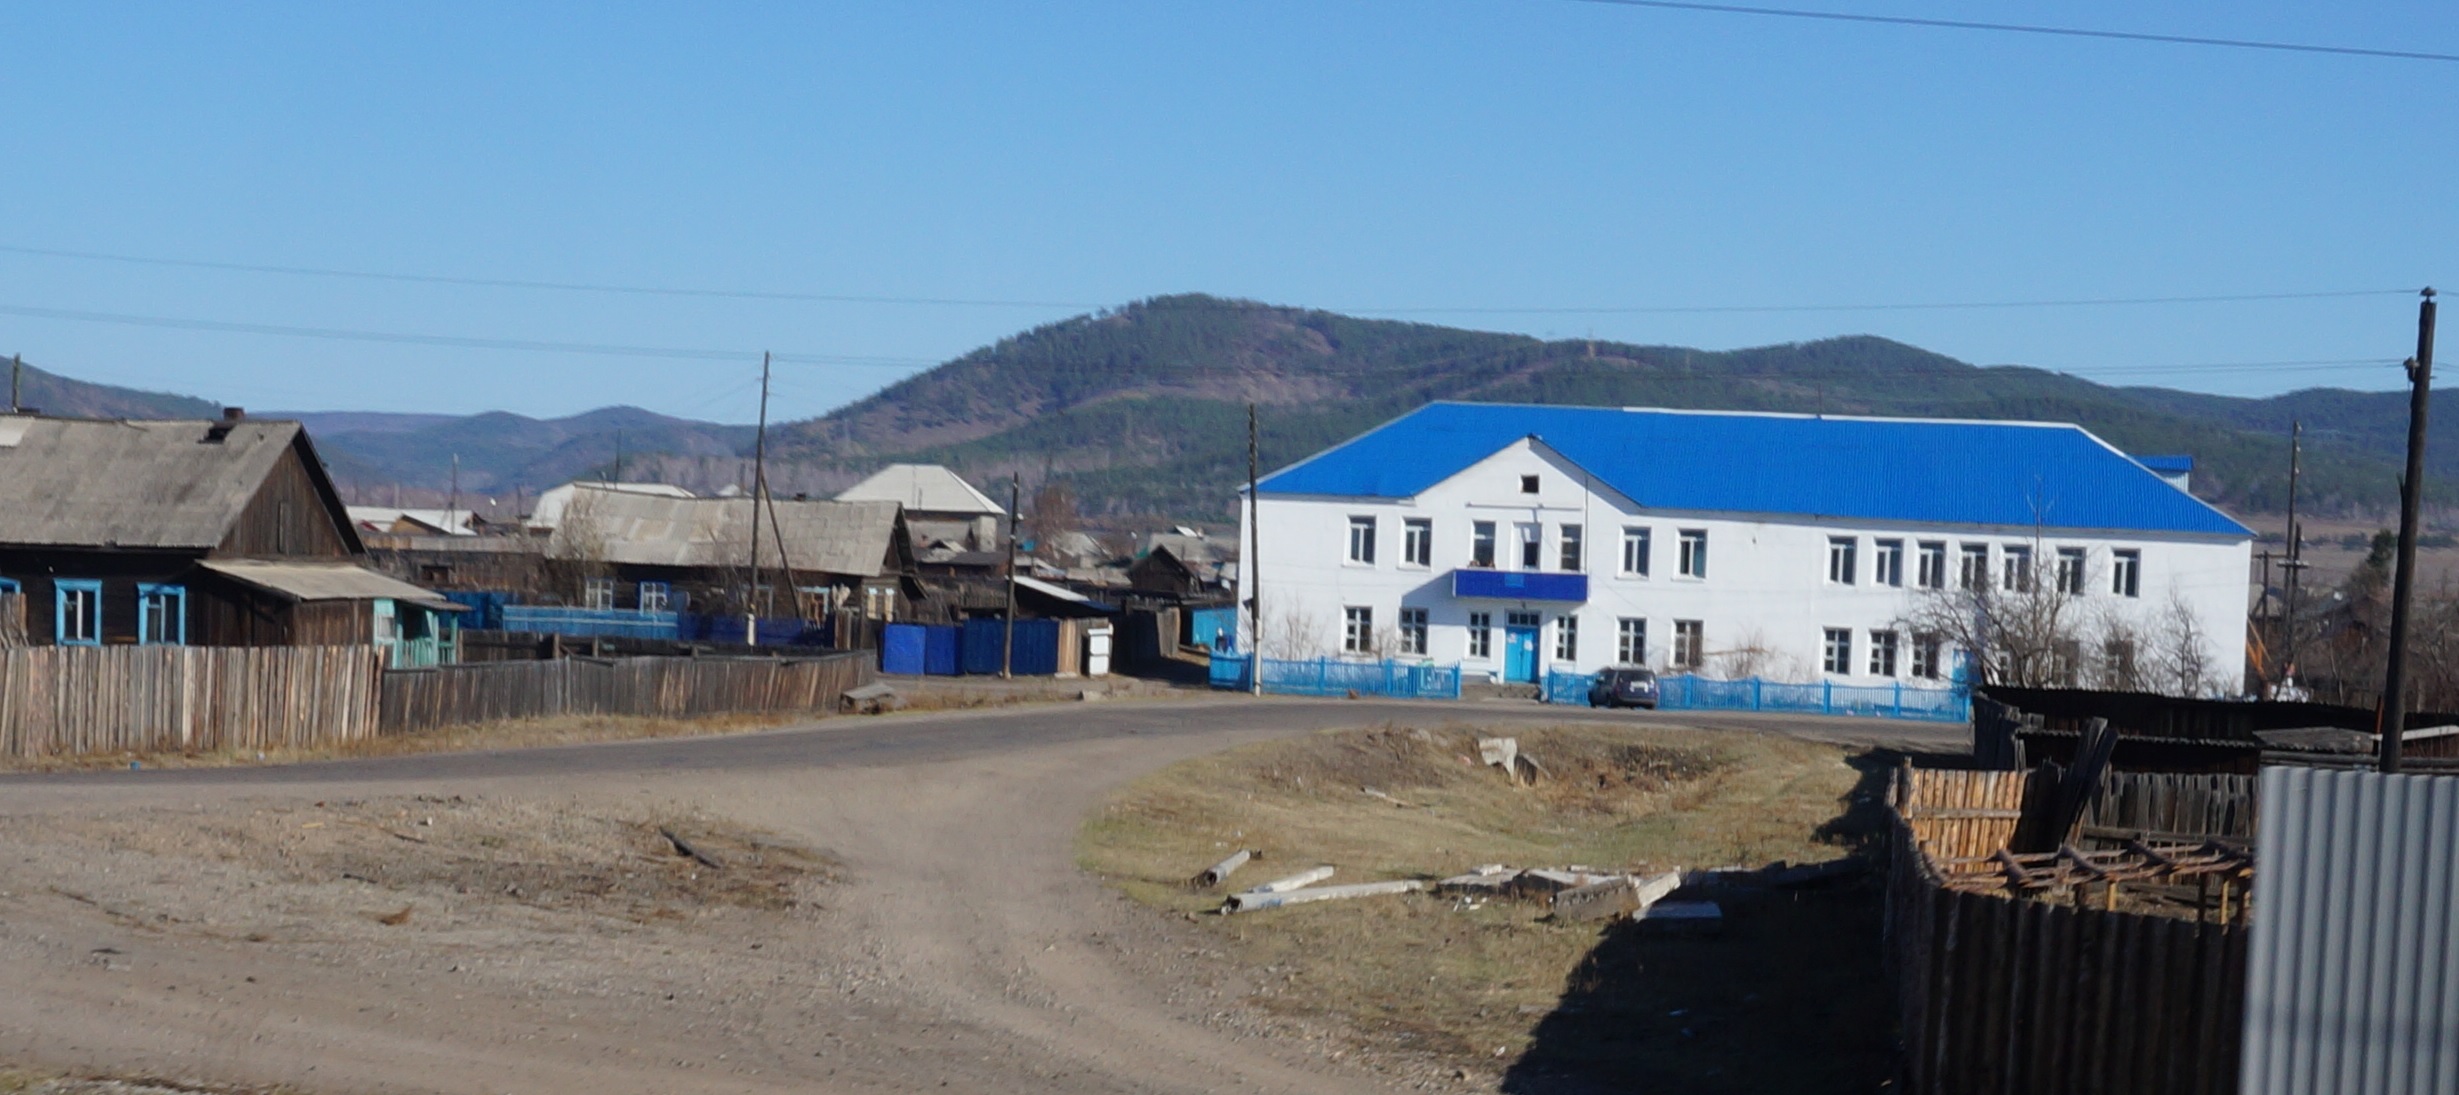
(2182, 661)
(2024, 626)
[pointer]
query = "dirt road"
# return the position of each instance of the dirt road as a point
(511, 922)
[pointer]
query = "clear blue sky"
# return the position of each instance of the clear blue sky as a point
(1350, 155)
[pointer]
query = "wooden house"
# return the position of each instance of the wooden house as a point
(208, 533)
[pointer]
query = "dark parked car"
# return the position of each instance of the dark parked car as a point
(1623, 687)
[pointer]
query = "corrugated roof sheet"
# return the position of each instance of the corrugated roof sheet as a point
(2352, 981)
(928, 488)
(1879, 469)
(325, 582)
(620, 526)
(88, 483)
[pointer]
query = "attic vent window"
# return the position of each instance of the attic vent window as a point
(1528, 484)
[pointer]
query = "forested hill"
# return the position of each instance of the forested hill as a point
(1142, 409)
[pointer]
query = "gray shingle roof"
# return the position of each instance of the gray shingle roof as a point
(647, 530)
(76, 482)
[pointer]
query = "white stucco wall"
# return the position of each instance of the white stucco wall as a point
(1767, 584)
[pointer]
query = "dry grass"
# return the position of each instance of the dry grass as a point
(1787, 998)
(515, 734)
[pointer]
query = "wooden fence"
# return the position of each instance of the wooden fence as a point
(12, 619)
(60, 700)
(2011, 996)
(425, 699)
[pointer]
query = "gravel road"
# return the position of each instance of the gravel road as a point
(504, 922)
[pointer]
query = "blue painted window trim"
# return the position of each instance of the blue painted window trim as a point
(9, 585)
(147, 592)
(60, 589)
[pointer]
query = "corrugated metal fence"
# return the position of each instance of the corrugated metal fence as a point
(59, 700)
(2355, 982)
(2020, 996)
(425, 699)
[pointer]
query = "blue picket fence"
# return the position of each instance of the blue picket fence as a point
(605, 623)
(1334, 677)
(1690, 693)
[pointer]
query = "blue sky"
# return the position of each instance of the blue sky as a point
(1440, 158)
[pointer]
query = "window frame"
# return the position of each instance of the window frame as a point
(1631, 641)
(1929, 650)
(1362, 539)
(1930, 564)
(1413, 629)
(2070, 578)
(1843, 560)
(1972, 572)
(1885, 645)
(1530, 538)
(1691, 558)
(1566, 638)
(1529, 485)
(1417, 541)
(91, 589)
(661, 593)
(2015, 571)
(1485, 544)
(1638, 543)
(1357, 629)
(595, 590)
(1887, 563)
(1571, 548)
(1836, 651)
(150, 592)
(1690, 644)
(2126, 572)
(1481, 636)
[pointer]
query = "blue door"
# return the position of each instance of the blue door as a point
(1520, 654)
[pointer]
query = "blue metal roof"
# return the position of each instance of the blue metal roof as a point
(1944, 471)
(2168, 464)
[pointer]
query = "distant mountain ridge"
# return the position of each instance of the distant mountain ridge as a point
(1142, 409)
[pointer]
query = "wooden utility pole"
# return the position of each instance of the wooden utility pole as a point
(17, 370)
(1007, 648)
(2394, 717)
(759, 488)
(2294, 565)
(452, 500)
(1255, 563)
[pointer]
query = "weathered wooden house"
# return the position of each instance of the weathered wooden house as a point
(207, 533)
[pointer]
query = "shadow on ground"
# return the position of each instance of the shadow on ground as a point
(1789, 996)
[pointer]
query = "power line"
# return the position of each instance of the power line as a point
(1231, 305)
(2027, 28)
(456, 341)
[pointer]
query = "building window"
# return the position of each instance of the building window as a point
(1926, 649)
(1528, 484)
(2126, 573)
(1690, 644)
(2066, 662)
(655, 596)
(1522, 619)
(1692, 560)
(1887, 564)
(1631, 642)
(1973, 573)
(1362, 540)
(1417, 542)
(2017, 576)
(1413, 631)
(2070, 570)
(1567, 638)
(1572, 555)
(1481, 545)
(599, 593)
(1532, 544)
(1841, 566)
(1481, 634)
(1882, 653)
(76, 612)
(1839, 650)
(1358, 630)
(1635, 552)
(162, 615)
(1932, 573)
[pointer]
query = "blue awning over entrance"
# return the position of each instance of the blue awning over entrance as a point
(1519, 585)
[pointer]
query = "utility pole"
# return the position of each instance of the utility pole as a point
(1007, 648)
(759, 488)
(2394, 717)
(2295, 563)
(618, 455)
(1255, 564)
(17, 370)
(452, 501)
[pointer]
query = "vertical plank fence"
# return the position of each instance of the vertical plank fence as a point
(2013, 997)
(12, 619)
(63, 700)
(427, 699)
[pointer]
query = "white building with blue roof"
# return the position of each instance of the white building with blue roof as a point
(1514, 540)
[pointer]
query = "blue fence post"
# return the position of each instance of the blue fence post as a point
(1827, 697)
(1757, 690)
(1899, 699)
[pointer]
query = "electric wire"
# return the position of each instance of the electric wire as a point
(2036, 29)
